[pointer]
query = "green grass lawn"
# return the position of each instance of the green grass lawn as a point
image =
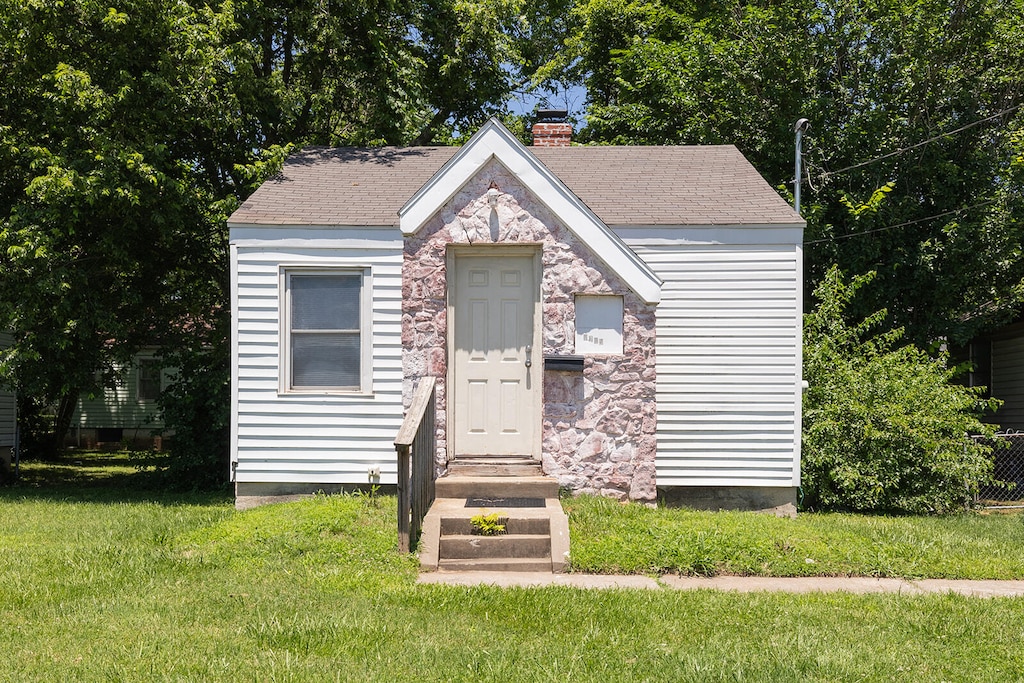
(632, 539)
(104, 579)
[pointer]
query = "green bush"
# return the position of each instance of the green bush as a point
(885, 428)
(196, 407)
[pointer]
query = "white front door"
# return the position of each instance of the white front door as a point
(495, 350)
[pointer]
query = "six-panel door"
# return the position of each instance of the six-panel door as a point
(495, 373)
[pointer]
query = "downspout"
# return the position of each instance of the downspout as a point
(800, 126)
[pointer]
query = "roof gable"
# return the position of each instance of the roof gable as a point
(494, 141)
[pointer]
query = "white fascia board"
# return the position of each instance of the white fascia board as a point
(232, 227)
(356, 237)
(240, 231)
(495, 141)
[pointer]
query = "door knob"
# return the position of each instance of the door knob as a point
(529, 351)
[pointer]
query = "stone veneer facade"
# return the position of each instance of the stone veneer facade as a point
(598, 427)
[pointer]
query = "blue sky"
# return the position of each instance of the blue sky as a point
(572, 98)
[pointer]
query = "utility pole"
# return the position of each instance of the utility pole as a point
(800, 126)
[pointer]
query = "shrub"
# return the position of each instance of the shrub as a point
(885, 428)
(196, 406)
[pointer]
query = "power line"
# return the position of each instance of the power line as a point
(902, 225)
(861, 164)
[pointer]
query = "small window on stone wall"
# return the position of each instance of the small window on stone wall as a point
(598, 324)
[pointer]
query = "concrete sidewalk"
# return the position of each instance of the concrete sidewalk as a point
(740, 584)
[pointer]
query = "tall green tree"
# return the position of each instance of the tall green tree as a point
(876, 79)
(116, 157)
(943, 81)
(393, 72)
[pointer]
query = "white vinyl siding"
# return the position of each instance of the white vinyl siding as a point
(729, 363)
(8, 413)
(1008, 382)
(314, 437)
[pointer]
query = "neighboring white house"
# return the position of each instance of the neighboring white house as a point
(8, 416)
(126, 413)
(629, 316)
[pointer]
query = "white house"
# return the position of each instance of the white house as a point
(628, 316)
(127, 412)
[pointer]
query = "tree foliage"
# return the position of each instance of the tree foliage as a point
(874, 78)
(113, 136)
(198, 405)
(130, 130)
(885, 428)
(384, 71)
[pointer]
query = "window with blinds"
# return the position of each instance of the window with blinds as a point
(325, 330)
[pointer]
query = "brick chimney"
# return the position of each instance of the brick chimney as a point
(551, 129)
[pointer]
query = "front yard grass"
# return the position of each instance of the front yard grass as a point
(120, 582)
(632, 539)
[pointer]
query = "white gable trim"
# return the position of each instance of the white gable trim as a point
(493, 140)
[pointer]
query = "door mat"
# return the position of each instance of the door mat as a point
(504, 502)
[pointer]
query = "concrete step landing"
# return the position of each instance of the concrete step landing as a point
(462, 486)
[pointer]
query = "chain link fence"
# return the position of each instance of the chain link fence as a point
(1009, 471)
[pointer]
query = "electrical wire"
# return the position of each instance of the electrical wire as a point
(901, 225)
(827, 174)
(810, 183)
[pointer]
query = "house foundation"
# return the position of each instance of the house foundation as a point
(778, 501)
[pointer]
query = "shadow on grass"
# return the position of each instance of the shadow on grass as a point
(98, 477)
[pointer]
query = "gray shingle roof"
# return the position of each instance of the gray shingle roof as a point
(651, 186)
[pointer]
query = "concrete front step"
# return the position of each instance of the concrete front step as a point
(453, 526)
(536, 546)
(456, 486)
(500, 564)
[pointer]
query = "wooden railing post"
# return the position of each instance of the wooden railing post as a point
(404, 499)
(415, 445)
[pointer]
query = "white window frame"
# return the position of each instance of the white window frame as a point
(365, 330)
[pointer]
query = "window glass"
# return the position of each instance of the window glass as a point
(325, 302)
(325, 343)
(149, 380)
(325, 360)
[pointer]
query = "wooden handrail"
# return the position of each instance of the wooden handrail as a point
(411, 423)
(415, 445)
